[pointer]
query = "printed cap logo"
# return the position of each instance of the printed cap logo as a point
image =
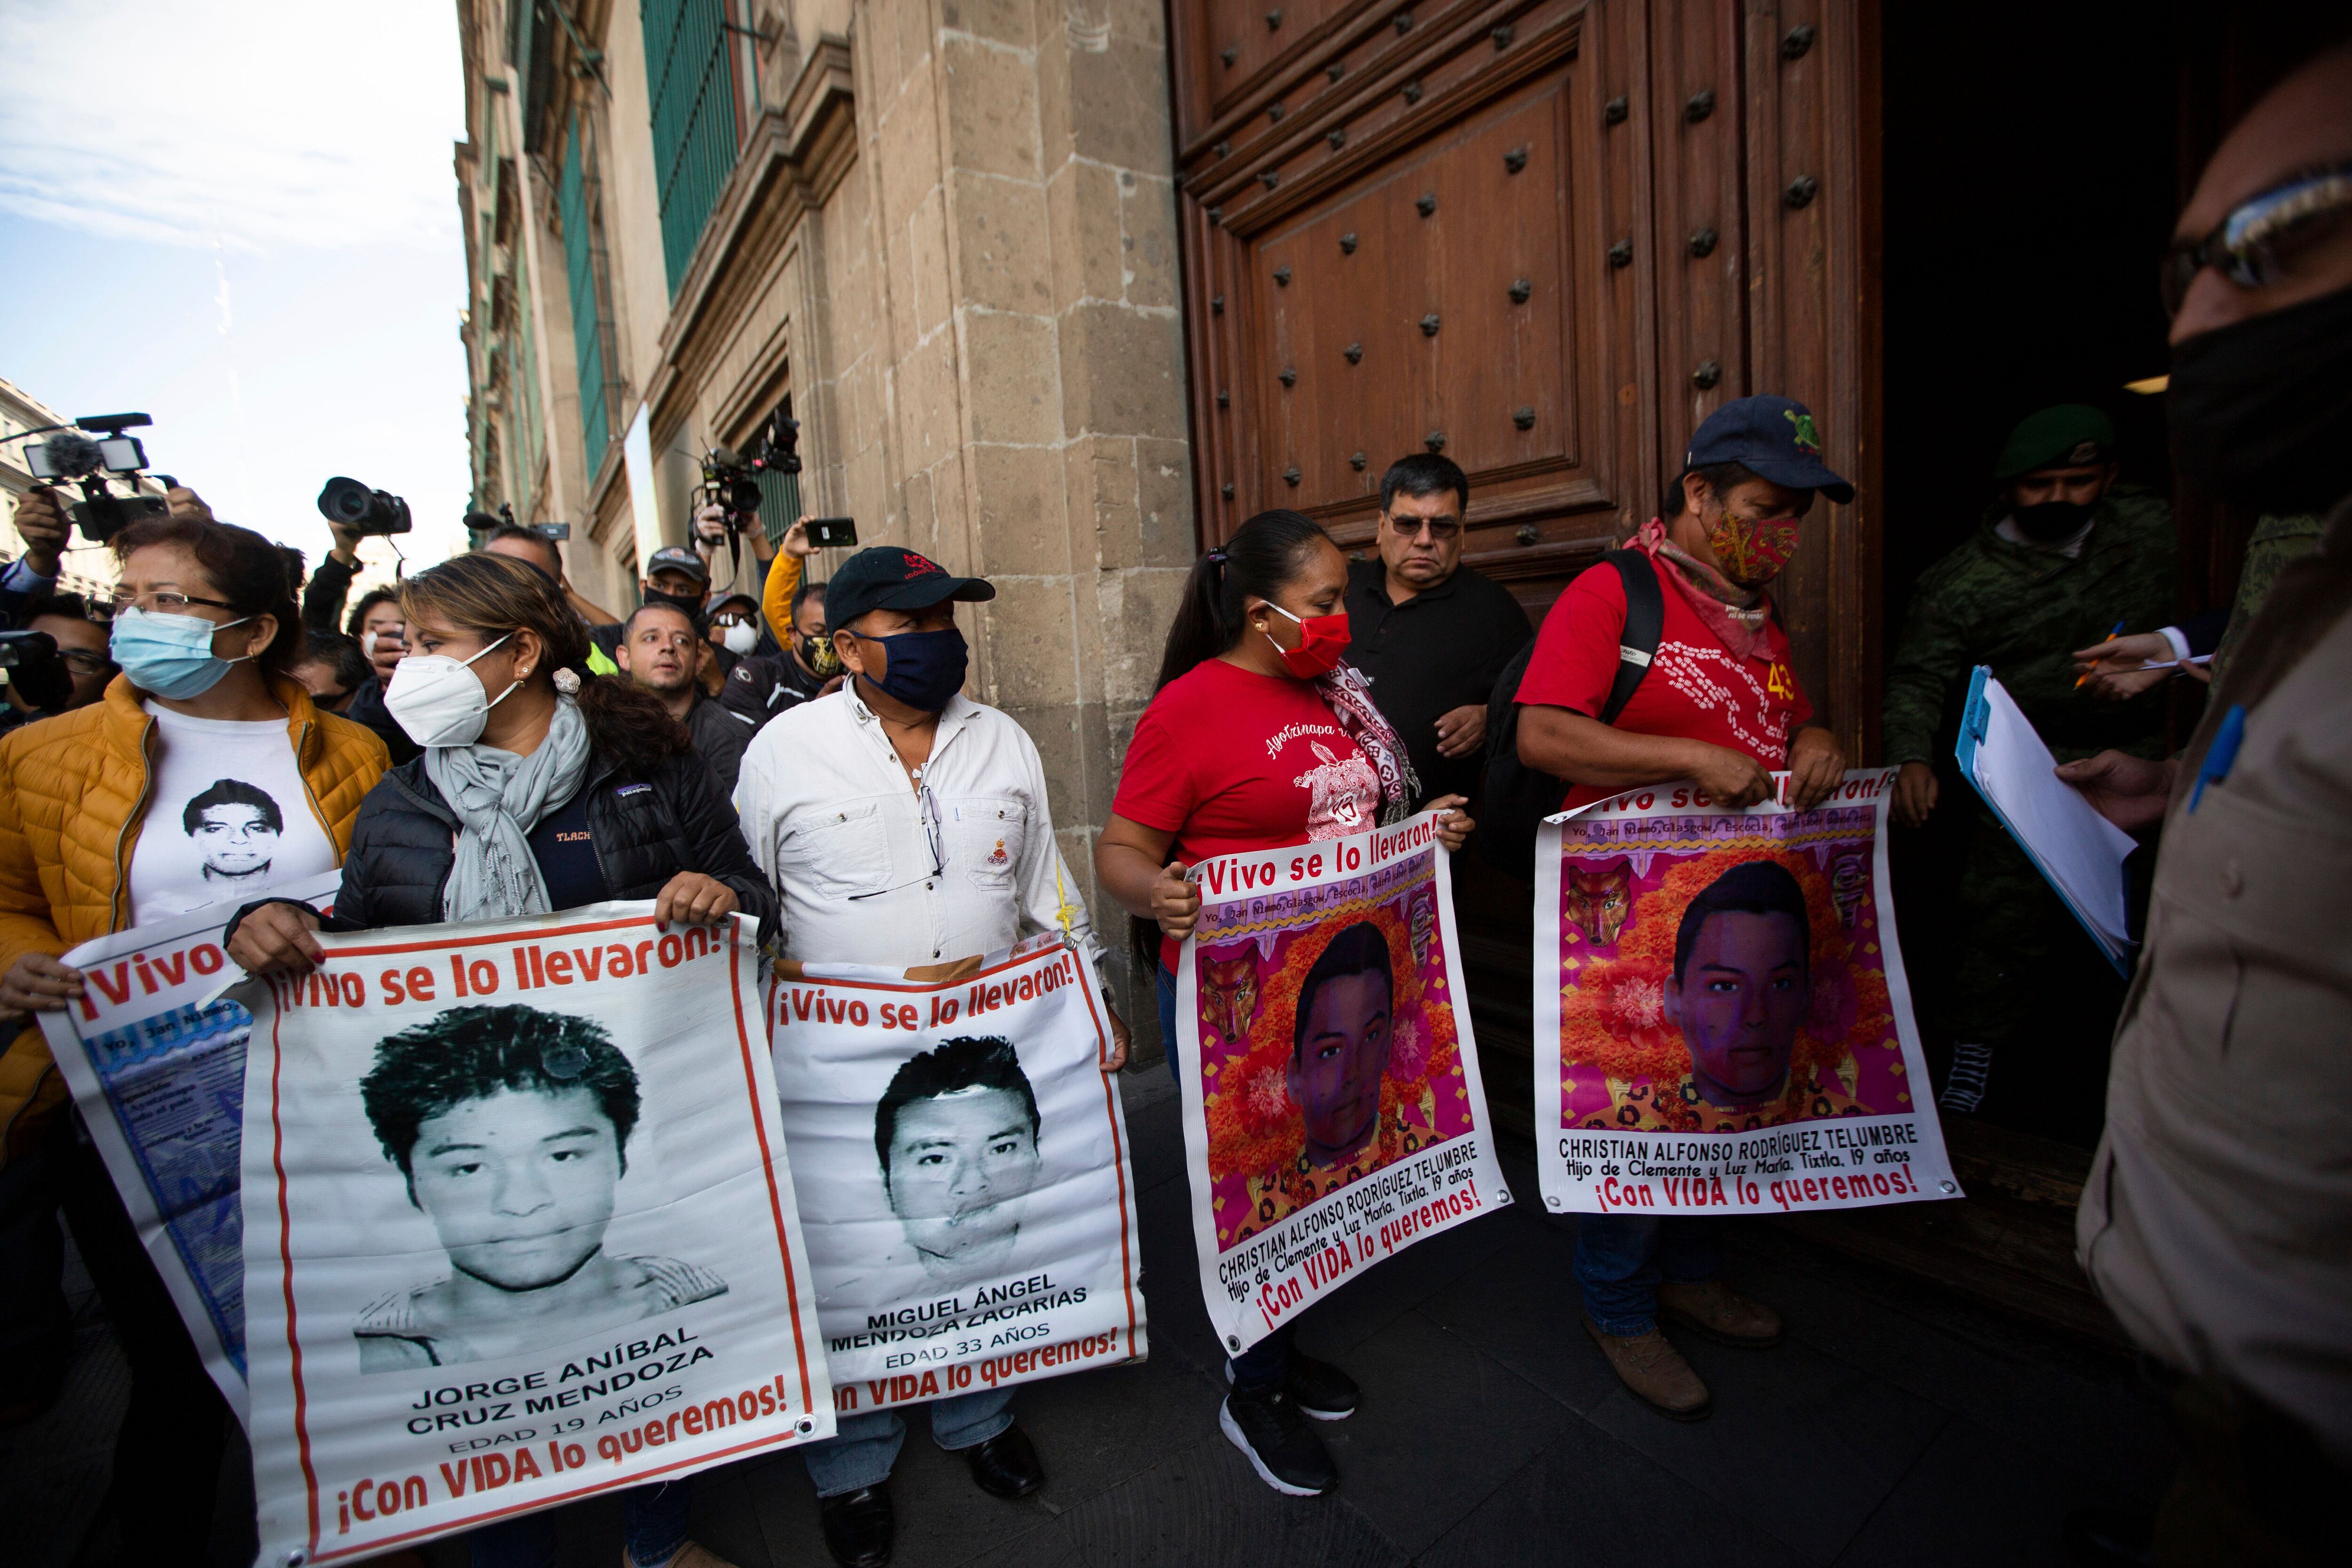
(919, 567)
(1808, 437)
(2083, 452)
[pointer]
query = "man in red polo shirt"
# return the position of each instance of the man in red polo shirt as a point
(1719, 703)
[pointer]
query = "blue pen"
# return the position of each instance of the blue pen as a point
(2222, 753)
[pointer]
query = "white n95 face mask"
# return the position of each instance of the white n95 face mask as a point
(439, 700)
(740, 638)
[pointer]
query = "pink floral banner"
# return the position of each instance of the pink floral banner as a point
(1333, 1109)
(1733, 1028)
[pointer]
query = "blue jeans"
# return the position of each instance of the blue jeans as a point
(864, 1447)
(652, 1528)
(1620, 1258)
(1264, 1365)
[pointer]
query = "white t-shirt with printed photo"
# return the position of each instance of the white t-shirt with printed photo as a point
(227, 819)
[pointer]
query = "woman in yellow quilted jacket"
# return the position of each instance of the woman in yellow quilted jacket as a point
(204, 775)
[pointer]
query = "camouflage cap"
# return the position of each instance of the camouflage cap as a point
(2066, 436)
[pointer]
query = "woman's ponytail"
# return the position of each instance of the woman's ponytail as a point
(1257, 563)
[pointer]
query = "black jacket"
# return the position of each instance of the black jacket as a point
(366, 707)
(647, 831)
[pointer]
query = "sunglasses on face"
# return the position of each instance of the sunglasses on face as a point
(1443, 530)
(2257, 245)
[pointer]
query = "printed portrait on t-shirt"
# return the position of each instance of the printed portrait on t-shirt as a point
(236, 828)
(956, 1134)
(1329, 1046)
(1723, 974)
(510, 1126)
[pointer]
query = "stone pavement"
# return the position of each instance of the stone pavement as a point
(1896, 1424)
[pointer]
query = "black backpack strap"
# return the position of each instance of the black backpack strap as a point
(1646, 624)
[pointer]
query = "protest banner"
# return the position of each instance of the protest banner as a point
(158, 1073)
(1733, 1027)
(1333, 1112)
(963, 1181)
(519, 1226)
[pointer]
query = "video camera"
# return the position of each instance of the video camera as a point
(68, 455)
(732, 481)
(32, 664)
(362, 510)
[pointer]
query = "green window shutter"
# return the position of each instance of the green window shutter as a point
(780, 502)
(690, 76)
(583, 259)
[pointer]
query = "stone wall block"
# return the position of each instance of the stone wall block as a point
(1088, 248)
(1148, 240)
(1105, 525)
(991, 109)
(1023, 512)
(1012, 391)
(906, 144)
(1122, 371)
(1164, 471)
(1001, 21)
(1118, 107)
(934, 294)
(1005, 248)
(929, 405)
(1029, 627)
(1138, 607)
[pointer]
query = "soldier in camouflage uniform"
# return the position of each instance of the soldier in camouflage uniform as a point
(2062, 556)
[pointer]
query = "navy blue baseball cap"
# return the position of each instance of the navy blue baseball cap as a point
(885, 577)
(1773, 438)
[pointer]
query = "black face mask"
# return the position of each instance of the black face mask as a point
(2261, 409)
(2052, 521)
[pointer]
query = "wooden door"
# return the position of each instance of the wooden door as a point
(1546, 238)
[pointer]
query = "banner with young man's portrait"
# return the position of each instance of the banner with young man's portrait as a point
(964, 1180)
(1733, 1024)
(1333, 1111)
(156, 1063)
(519, 1227)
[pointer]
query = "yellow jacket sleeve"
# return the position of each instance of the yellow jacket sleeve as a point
(776, 598)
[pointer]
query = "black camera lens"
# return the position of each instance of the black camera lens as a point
(743, 496)
(345, 500)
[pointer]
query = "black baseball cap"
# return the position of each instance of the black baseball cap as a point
(1772, 437)
(677, 558)
(885, 577)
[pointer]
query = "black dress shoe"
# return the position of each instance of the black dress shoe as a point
(858, 1527)
(1006, 1466)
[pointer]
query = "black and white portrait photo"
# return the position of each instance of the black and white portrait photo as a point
(510, 1126)
(956, 1133)
(236, 828)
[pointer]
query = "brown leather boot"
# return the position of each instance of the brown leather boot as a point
(1650, 1366)
(1717, 1310)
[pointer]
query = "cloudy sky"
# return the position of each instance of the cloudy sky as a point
(240, 216)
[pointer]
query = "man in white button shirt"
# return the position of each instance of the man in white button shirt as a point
(906, 824)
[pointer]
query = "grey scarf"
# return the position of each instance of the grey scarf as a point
(498, 798)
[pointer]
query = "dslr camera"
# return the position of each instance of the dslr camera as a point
(362, 510)
(731, 480)
(70, 455)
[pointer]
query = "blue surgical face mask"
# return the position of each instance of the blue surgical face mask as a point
(170, 656)
(924, 669)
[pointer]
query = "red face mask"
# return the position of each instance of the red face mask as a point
(1323, 638)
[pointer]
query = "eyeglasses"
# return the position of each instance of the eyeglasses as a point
(1443, 530)
(168, 604)
(934, 832)
(2255, 245)
(83, 662)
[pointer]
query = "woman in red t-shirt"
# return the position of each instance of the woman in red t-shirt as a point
(1719, 704)
(1258, 736)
